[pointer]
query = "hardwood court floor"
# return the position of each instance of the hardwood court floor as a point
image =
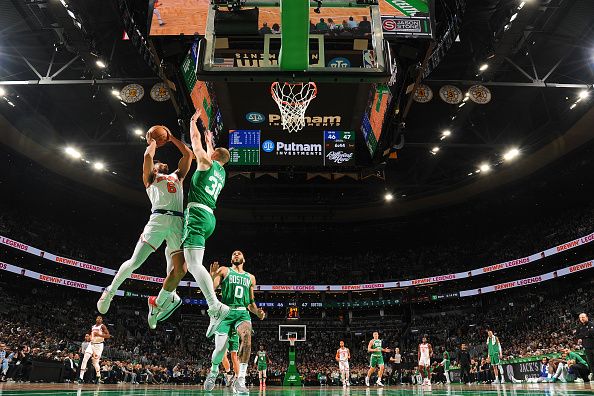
(12, 389)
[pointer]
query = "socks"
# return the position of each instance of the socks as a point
(242, 370)
(163, 296)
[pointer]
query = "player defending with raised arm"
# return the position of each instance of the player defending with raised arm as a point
(237, 292)
(343, 355)
(199, 224)
(94, 349)
(377, 359)
(424, 355)
(165, 191)
(495, 356)
(261, 361)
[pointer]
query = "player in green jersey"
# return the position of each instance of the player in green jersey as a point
(261, 361)
(377, 359)
(495, 356)
(237, 292)
(446, 365)
(199, 223)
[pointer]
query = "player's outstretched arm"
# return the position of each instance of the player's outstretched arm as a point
(204, 161)
(218, 274)
(147, 164)
(183, 167)
(253, 308)
(104, 332)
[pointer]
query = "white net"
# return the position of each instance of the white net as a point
(292, 100)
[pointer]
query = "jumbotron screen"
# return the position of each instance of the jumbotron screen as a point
(310, 148)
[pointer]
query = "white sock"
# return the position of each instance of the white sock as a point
(194, 260)
(242, 370)
(141, 253)
(163, 296)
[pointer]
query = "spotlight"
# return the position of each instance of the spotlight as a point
(522, 4)
(138, 132)
(513, 17)
(446, 133)
(115, 92)
(72, 152)
(470, 174)
(2, 91)
(100, 64)
(583, 94)
(434, 150)
(511, 154)
(98, 166)
(388, 197)
(484, 167)
(572, 106)
(484, 67)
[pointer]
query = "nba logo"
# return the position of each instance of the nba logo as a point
(268, 146)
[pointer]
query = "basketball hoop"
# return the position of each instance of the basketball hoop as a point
(292, 100)
(292, 341)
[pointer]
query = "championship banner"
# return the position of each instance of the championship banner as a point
(362, 287)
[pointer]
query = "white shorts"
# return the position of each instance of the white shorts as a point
(162, 227)
(343, 366)
(95, 350)
(425, 361)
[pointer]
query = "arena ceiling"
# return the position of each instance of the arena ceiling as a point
(538, 65)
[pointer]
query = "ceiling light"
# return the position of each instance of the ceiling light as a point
(484, 67)
(446, 133)
(513, 17)
(138, 132)
(388, 197)
(2, 91)
(583, 94)
(470, 174)
(484, 167)
(100, 63)
(461, 104)
(64, 3)
(511, 154)
(114, 173)
(115, 92)
(522, 4)
(72, 152)
(435, 149)
(465, 99)
(98, 166)
(572, 106)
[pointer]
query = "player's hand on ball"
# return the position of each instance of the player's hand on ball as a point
(214, 267)
(149, 138)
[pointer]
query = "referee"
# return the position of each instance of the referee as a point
(585, 335)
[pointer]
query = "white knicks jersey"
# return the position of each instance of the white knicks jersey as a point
(94, 338)
(424, 349)
(166, 193)
(343, 354)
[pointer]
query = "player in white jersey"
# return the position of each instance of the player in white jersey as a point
(165, 191)
(424, 355)
(99, 333)
(343, 355)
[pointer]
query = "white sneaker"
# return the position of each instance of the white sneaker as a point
(153, 312)
(239, 386)
(167, 309)
(210, 381)
(579, 380)
(105, 301)
(366, 381)
(379, 383)
(344, 384)
(217, 315)
(495, 382)
(348, 383)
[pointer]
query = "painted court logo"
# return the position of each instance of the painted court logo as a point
(255, 117)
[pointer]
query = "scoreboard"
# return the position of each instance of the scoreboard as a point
(307, 148)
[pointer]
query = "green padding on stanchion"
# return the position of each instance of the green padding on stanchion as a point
(294, 53)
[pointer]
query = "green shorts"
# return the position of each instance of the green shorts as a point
(233, 341)
(494, 358)
(376, 361)
(199, 225)
(262, 367)
(232, 321)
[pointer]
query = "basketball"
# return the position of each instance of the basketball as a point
(160, 133)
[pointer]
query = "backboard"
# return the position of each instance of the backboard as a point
(298, 331)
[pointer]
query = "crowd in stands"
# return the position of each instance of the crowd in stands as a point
(328, 26)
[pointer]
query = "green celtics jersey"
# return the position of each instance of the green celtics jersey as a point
(206, 185)
(492, 346)
(235, 289)
(262, 358)
(376, 344)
